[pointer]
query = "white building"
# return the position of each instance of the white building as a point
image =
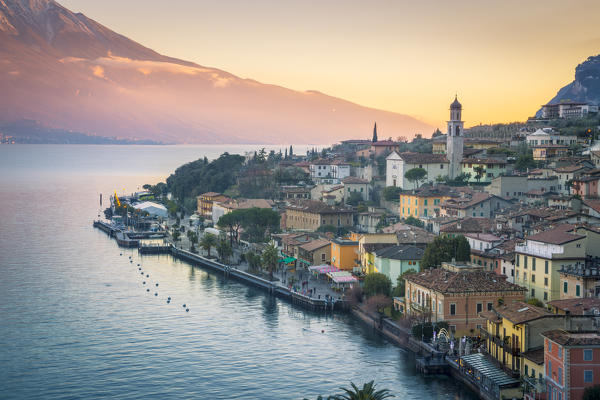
(546, 136)
(482, 241)
(353, 184)
(328, 171)
(153, 209)
(397, 165)
(567, 110)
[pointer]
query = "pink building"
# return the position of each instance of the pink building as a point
(572, 360)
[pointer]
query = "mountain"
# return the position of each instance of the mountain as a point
(66, 71)
(585, 87)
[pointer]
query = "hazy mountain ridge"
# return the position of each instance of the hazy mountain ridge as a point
(586, 86)
(69, 72)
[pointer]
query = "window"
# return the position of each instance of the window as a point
(559, 375)
(524, 276)
(565, 287)
(549, 371)
(559, 352)
(546, 266)
(545, 281)
(453, 328)
(526, 370)
(518, 258)
(452, 309)
(532, 292)
(441, 166)
(533, 264)
(588, 376)
(545, 296)
(532, 278)
(425, 202)
(588, 355)
(577, 290)
(524, 262)
(322, 256)
(479, 308)
(489, 305)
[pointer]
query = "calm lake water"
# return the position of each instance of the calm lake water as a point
(76, 321)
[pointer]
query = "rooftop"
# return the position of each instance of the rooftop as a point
(317, 207)
(577, 306)
(423, 158)
(558, 235)
(444, 281)
(519, 312)
(315, 244)
(354, 180)
(571, 338)
(401, 252)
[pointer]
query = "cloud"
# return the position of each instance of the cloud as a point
(98, 71)
(147, 67)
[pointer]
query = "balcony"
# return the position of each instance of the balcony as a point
(504, 343)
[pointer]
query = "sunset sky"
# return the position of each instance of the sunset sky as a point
(503, 58)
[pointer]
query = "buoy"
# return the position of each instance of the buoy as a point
(168, 301)
(169, 298)
(184, 306)
(142, 273)
(156, 294)
(138, 265)
(143, 283)
(322, 330)
(147, 290)
(187, 310)
(147, 276)
(120, 254)
(140, 268)
(157, 285)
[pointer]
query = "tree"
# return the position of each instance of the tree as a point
(224, 250)
(254, 260)
(192, 237)
(479, 171)
(535, 302)
(176, 236)
(415, 175)
(367, 392)
(591, 393)
(524, 162)
(444, 249)
(207, 242)
(377, 283)
(392, 193)
(400, 289)
(270, 257)
(354, 199)
(256, 222)
(414, 222)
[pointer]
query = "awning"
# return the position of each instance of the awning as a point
(324, 269)
(287, 260)
(478, 362)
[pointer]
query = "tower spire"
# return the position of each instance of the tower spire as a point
(375, 133)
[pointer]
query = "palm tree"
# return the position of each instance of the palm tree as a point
(366, 393)
(224, 250)
(270, 255)
(208, 241)
(479, 170)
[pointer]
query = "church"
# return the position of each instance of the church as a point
(436, 165)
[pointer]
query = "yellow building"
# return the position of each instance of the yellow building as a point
(539, 260)
(344, 254)
(513, 338)
(368, 243)
(422, 203)
(206, 201)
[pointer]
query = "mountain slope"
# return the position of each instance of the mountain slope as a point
(586, 86)
(67, 71)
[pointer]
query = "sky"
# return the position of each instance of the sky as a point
(503, 58)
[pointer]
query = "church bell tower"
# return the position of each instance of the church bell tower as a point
(455, 139)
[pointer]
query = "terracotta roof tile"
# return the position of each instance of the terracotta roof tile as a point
(581, 338)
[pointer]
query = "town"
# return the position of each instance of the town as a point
(478, 249)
